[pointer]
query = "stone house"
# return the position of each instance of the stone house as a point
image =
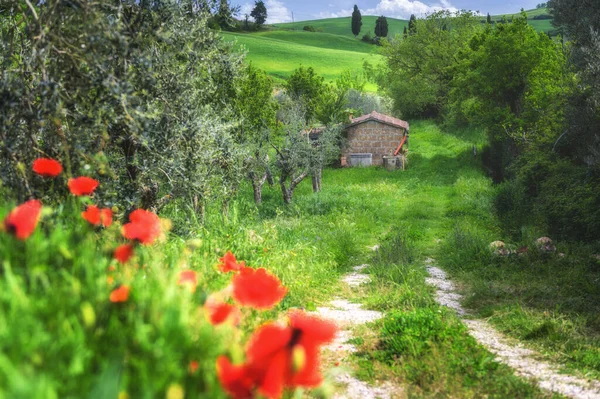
(371, 137)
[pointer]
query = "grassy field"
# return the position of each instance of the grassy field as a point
(341, 26)
(280, 54)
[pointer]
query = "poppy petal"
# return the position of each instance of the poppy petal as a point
(228, 263)
(219, 313)
(120, 294)
(22, 221)
(144, 226)
(92, 215)
(106, 217)
(234, 379)
(47, 167)
(82, 185)
(123, 253)
(257, 288)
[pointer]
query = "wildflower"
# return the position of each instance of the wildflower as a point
(22, 221)
(47, 167)
(288, 356)
(188, 277)
(228, 263)
(106, 217)
(234, 379)
(257, 288)
(120, 294)
(144, 227)
(219, 313)
(82, 185)
(194, 365)
(123, 253)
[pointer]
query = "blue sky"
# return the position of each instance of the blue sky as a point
(281, 10)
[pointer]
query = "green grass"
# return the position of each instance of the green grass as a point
(419, 345)
(549, 301)
(341, 26)
(279, 55)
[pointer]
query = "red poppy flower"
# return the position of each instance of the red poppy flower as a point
(228, 263)
(82, 185)
(106, 217)
(188, 277)
(234, 379)
(97, 216)
(120, 294)
(47, 167)
(219, 313)
(92, 214)
(123, 253)
(22, 221)
(279, 357)
(194, 365)
(257, 288)
(144, 226)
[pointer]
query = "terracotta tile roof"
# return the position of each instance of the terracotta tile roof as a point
(376, 116)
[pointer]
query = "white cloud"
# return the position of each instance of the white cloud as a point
(245, 8)
(277, 12)
(401, 9)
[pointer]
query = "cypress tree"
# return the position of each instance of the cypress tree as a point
(489, 19)
(381, 27)
(412, 25)
(356, 21)
(405, 34)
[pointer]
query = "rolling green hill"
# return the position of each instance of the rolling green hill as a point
(341, 26)
(280, 53)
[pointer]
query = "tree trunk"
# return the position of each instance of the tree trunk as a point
(316, 180)
(257, 187)
(289, 192)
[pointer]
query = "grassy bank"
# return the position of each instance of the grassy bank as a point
(280, 53)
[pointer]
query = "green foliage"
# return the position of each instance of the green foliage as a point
(518, 78)
(412, 25)
(419, 81)
(381, 27)
(254, 102)
(152, 121)
(259, 12)
(308, 28)
(305, 87)
(356, 21)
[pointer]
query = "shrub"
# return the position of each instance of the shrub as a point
(367, 38)
(309, 28)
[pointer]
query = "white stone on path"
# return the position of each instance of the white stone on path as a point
(347, 314)
(524, 361)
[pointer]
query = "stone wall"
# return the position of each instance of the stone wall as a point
(373, 137)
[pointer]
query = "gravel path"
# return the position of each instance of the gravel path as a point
(524, 361)
(347, 314)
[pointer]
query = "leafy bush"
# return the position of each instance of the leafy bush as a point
(309, 28)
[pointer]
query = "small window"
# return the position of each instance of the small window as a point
(365, 159)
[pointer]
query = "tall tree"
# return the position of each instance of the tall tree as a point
(412, 25)
(305, 87)
(405, 34)
(225, 14)
(356, 21)
(489, 19)
(381, 27)
(259, 13)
